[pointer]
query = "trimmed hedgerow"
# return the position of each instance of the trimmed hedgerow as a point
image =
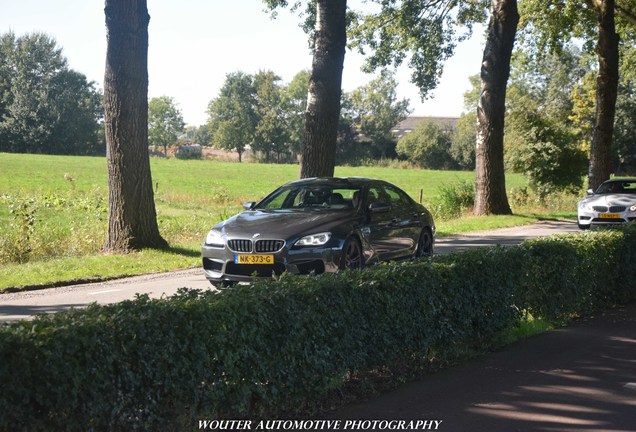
(275, 348)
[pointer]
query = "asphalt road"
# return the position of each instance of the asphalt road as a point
(577, 378)
(24, 305)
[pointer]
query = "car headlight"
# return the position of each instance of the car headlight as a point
(214, 238)
(633, 208)
(584, 206)
(314, 239)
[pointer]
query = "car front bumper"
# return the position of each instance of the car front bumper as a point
(221, 264)
(593, 218)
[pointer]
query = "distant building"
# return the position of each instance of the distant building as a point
(447, 124)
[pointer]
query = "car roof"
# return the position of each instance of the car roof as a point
(334, 181)
(621, 180)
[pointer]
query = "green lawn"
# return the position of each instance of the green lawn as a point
(53, 211)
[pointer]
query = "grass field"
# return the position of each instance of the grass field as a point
(53, 211)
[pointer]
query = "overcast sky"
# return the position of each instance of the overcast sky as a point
(193, 44)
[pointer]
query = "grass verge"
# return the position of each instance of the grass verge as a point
(53, 211)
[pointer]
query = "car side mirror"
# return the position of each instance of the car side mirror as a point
(249, 205)
(379, 207)
(590, 191)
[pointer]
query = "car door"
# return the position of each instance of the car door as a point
(379, 223)
(405, 227)
(389, 230)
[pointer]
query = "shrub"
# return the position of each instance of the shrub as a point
(278, 348)
(454, 200)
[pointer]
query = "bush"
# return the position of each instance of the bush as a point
(278, 348)
(454, 200)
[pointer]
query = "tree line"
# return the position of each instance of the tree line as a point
(424, 34)
(46, 107)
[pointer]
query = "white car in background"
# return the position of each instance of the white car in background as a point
(613, 202)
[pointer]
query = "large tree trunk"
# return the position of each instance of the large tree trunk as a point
(323, 101)
(606, 92)
(132, 219)
(490, 192)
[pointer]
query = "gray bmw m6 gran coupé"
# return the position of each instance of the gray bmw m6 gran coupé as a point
(318, 225)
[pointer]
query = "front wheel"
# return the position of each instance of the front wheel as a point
(351, 254)
(425, 244)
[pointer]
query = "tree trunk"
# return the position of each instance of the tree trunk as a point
(606, 92)
(490, 191)
(132, 219)
(323, 100)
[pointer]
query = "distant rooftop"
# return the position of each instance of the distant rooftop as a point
(409, 124)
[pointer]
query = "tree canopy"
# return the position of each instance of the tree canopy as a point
(45, 107)
(165, 122)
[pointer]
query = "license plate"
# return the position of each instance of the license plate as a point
(608, 216)
(253, 259)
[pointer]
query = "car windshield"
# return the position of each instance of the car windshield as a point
(620, 187)
(313, 197)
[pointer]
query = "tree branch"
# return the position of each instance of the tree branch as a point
(626, 13)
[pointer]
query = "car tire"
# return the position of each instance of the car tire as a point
(425, 244)
(584, 227)
(352, 257)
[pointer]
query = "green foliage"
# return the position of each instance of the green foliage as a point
(426, 34)
(271, 134)
(165, 122)
(295, 103)
(454, 200)
(45, 107)
(33, 238)
(548, 156)
(16, 245)
(463, 141)
(428, 146)
(232, 115)
(540, 141)
(277, 348)
(257, 110)
(375, 110)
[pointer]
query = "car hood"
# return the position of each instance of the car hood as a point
(281, 224)
(611, 200)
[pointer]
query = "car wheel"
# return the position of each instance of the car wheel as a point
(584, 227)
(425, 244)
(351, 254)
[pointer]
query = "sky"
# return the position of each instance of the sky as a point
(194, 44)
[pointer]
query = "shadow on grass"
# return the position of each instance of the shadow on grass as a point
(177, 250)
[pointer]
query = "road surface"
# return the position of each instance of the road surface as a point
(577, 378)
(24, 305)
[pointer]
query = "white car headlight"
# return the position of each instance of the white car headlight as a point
(584, 206)
(214, 238)
(314, 239)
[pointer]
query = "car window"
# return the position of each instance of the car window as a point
(610, 187)
(398, 198)
(279, 200)
(310, 197)
(377, 194)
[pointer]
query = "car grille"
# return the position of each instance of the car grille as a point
(240, 245)
(260, 246)
(612, 209)
(268, 245)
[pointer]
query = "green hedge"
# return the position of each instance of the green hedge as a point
(275, 348)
